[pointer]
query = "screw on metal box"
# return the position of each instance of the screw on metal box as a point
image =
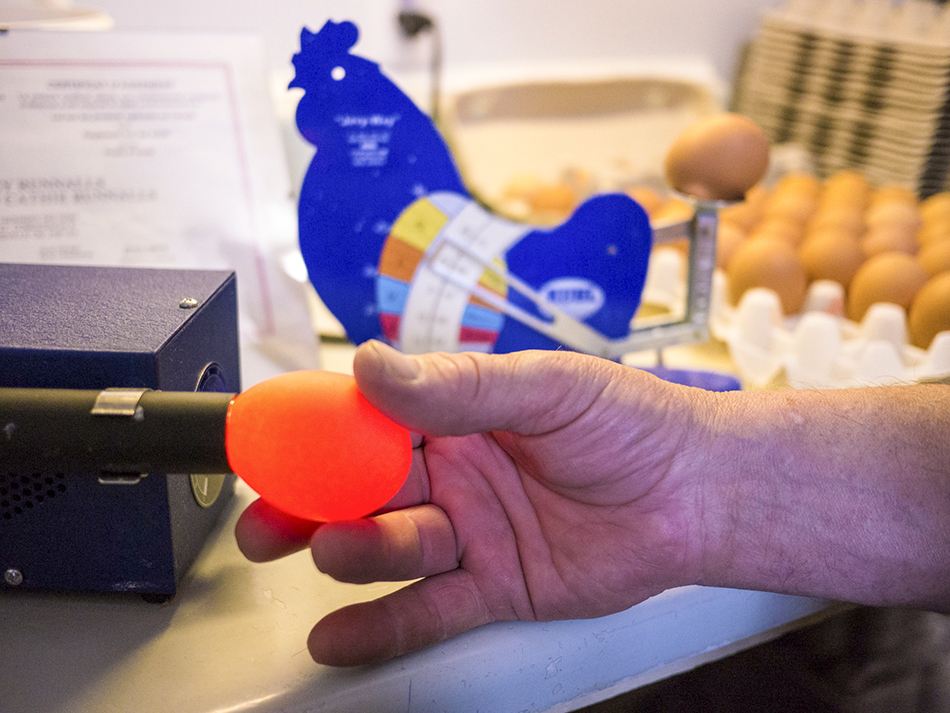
(188, 303)
(13, 577)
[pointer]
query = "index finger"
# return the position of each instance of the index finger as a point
(265, 533)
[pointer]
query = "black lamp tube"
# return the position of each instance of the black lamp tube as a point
(112, 432)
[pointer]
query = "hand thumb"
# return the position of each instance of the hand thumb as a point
(457, 394)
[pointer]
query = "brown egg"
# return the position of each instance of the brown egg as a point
(720, 157)
(934, 230)
(772, 263)
(757, 197)
(729, 236)
(832, 257)
(847, 187)
(893, 214)
(673, 210)
(580, 180)
(799, 182)
(790, 231)
(793, 204)
(841, 217)
(889, 277)
(554, 198)
(892, 192)
(522, 187)
(747, 213)
(930, 311)
(649, 200)
(935, 257)
(936, 207)
(889, 238)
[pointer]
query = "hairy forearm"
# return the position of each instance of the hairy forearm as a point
(842, 494)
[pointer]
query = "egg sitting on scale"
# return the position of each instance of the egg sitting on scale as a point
(399, 250)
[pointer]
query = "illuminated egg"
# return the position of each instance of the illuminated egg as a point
(930, 311)
(935, 257)
(894, 277)
(830, 256)
(718, 158)
(772, 263)
(311, 445)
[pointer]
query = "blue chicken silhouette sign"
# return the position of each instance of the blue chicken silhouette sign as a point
(399, 250)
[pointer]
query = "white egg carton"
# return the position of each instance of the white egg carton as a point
(818, 348)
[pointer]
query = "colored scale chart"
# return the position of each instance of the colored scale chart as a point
(438, 252)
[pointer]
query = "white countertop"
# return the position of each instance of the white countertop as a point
(234, 639)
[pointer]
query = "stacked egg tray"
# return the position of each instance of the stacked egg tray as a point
(859, 84)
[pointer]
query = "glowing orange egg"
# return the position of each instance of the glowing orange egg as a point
(310, 444)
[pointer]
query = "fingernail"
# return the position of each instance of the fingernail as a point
(395, 362)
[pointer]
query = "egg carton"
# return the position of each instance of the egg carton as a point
(818, 348)
(919, 24)
(860, 83)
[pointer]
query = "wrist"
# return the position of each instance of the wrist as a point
(840, 494)
(740, 472)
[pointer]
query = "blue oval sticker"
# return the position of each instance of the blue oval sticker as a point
(575, 296)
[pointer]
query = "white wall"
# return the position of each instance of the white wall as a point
(475, 31)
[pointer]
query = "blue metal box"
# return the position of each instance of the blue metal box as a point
(92, 328)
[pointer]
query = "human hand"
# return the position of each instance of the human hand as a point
(544, 485)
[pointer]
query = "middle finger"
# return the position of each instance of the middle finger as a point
(395, 546)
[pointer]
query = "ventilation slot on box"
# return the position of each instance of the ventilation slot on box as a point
(19, 494)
